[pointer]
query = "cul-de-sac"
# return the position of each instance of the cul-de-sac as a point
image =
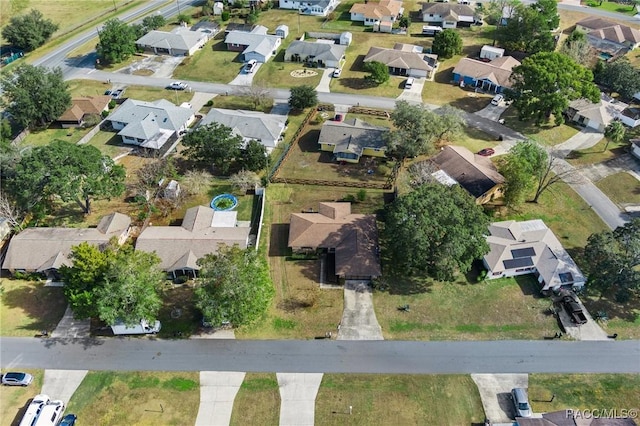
(320, 212)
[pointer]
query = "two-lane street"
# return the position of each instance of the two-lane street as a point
(322, 356)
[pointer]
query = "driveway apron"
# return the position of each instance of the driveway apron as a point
(218, 389)
(359, 320)
(298, 393)
(61, 384)
(495, 390)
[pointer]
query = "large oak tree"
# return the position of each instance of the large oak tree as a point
(35, 96)
(117, 42)
(545, 83)
(436, 229)
(213, 145)
(29, 31)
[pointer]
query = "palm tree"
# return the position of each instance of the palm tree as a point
(614, 132)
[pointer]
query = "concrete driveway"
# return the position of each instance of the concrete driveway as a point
(298, 393)
(245, 78)
(70, 327)
(62, 384)
(584, 139)
(218, 389)
(160, 66)
(415, 93)
(625, 163)
(359, 320)
(492, 112)
(495, 392)
(325, 81)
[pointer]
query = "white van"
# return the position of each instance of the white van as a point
(51, 414)
(143, 328)
(409, 83)
(34, 409)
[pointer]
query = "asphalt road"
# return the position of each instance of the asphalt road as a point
(322, 356)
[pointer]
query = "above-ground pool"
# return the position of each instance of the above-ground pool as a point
(224, 202)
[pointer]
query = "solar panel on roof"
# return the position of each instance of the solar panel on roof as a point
(523, 252)
(518, 263)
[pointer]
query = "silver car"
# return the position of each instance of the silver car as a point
(17, 379)
(521, 402)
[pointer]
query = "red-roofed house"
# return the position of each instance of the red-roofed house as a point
(81, 107)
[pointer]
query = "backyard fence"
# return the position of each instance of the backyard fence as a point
(370, 185)
(276, 167)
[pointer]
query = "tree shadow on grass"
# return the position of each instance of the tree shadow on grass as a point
(629, 311)
(398, 284)
(42, 307)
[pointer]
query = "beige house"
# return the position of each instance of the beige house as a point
(45, 250)
(598, 115)
(476, 174)
(82, 107)
(350, 241)
(404, 60)
(381, 16)
(608, 37)
(202, 232)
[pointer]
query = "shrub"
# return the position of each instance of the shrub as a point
(104, 114)
(112, 104)
(209, 103)
(225, 16)
(362, 195)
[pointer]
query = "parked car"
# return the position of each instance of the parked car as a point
(521, 402)
(251, 66)
(34, 409)
(178, 85)
(117, 93)
(486, 152)
(69, 420)
(107, 92)
(17, 379)
(337, 73)
(409, 83)
(50, 414)
(497, 99)
(338, 117)
(574, 310)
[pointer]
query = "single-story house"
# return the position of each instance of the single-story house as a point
(404, 60)
(630, 117)
(256, 44)
(491, 53)
(179, 42)
(609, 36)
(381, 16)
(595, 116)
(150, 124)
(45, 250)
(310, 7)
(250, 125)
(530, 247)
(323, 55)
(491, 76)
(202, 232)
(573, 418)
(448, 15)
(81, 107)
(635, 148)
(474, 173)
(349, 240)
(351, 139)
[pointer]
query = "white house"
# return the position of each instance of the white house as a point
(630, 117)
(324, 55)
(448, 15)
(491, 53)
(250, 125)
(530, 247)
(380, 15)
(595, 116)
(150, 124)
(310, 7)
(256, 44)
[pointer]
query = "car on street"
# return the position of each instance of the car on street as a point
(486, 152)
(337, 73)
(17, 379)
(177, 85)
(69, 420)
(251, 66)
(497, 99)
(521, 402)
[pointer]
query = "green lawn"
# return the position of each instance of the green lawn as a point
(214, 63)
(621, 188)
(15, 398)
(141, 398)
(623, 318)
(546, 134)
(28, 307)
(625, 9)
(109, 143)
(398, 400)
(584, 391)
(257, 401)
(597, 153)
(46, 136)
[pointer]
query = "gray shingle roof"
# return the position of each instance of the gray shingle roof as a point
(400, 58)
(451, 10)
(266, 128)
(256, 41)
(39, 249)
(320, 51)
(182, 39)
(165, 114)
(352, 135)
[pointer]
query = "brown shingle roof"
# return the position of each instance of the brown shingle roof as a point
(81, 106)
(609, 30)
(474, 173)
(353, 236)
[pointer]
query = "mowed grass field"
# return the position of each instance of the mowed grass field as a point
(140, 398)
(28, 307)
(398, 400)
(257, 401)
